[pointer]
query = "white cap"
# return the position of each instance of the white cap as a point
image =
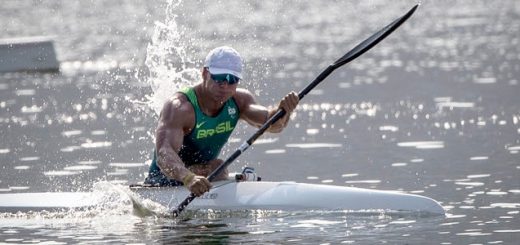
(224, 60)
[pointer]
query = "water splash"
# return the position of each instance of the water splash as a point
(106, 199)
(169, 58)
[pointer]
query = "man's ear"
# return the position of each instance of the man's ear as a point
(204, 73)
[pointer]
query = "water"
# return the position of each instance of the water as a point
(432, 110)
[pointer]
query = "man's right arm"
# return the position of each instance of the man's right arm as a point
(177, 117)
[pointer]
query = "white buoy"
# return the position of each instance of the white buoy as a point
(28, 54)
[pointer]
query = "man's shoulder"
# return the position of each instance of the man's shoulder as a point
(244, 98)
(177, 105)
(179, 101)
(243, 94)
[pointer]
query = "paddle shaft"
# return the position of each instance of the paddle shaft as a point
(351, 55)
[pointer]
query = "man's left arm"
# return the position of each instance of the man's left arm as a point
(257, 115)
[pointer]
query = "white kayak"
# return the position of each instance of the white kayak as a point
(232, 195)
(292, 196)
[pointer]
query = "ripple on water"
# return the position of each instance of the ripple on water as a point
(275, 151)
(389, 128)
(127, 164)
(375, 181)
(99, 144)
(31, 109)
(473, 234)
(28, 159)
(314, 145)
(479, 158)
(399, 164)
(70, 148)
(89, 162)
(513, 149)
(486, 80)
(25, 92)
(118, 172)
(507, 231)
(422, 144)
(261, 232)
(453, 104)
(496, 193)
(80, 168)
(349, 175)
(470, 183)
(266, 141)
(312, 131)
(505, 205)
(475, 176)
(60, 173)
(71, 133)
(98, 132)
(403, 222)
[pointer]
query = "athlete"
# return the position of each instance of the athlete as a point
(196, 122)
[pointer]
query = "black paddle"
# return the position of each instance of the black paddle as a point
(351, 55)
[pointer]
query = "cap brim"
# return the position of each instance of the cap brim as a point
(217, 71)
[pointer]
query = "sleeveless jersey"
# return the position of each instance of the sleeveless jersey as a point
(209, 134)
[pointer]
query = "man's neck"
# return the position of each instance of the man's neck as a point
(206, 104)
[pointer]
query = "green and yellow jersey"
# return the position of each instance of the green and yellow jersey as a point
(207, 137)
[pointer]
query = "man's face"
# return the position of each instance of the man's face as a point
(220, 91)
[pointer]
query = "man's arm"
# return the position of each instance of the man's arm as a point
(257, 115)
(177, 117)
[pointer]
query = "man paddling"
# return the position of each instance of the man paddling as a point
(196, 122)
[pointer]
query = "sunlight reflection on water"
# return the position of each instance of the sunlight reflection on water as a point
(431, 110)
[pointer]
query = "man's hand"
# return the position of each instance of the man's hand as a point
(197, 184)
(288, 104)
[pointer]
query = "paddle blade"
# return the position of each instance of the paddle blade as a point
(373, 40)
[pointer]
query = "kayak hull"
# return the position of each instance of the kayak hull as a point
(232, 195)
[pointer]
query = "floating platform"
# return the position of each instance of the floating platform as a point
(35, 54)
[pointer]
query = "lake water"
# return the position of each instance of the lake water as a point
(432, 110)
